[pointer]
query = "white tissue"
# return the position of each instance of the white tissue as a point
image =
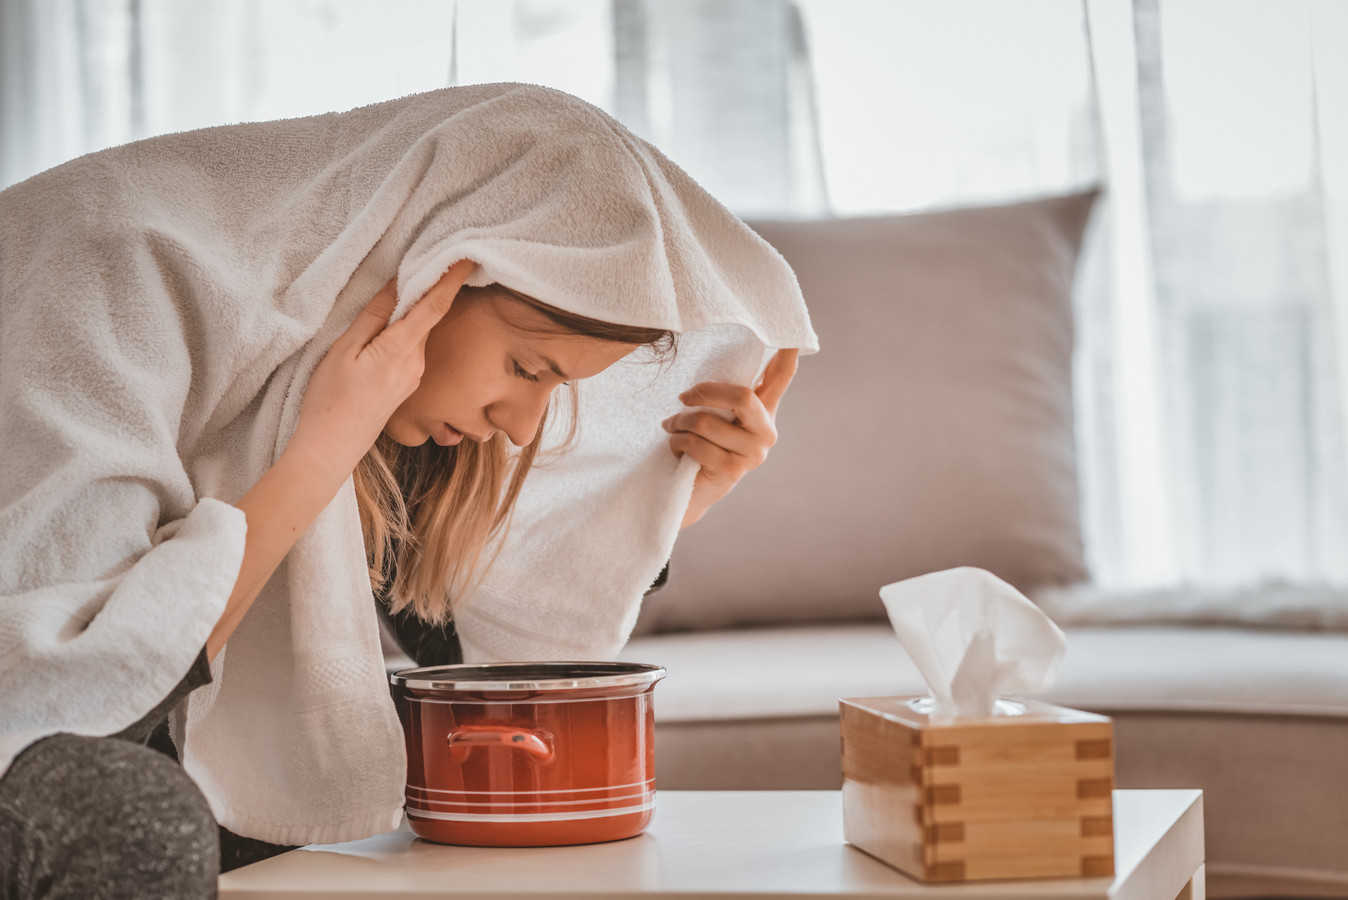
(974, 638)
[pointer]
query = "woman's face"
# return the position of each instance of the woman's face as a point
(492, 364)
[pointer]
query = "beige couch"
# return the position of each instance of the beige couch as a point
(934, 430)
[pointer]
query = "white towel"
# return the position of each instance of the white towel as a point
(162, 306)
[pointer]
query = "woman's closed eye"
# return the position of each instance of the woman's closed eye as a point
(521, 372)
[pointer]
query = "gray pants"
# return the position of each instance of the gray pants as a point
(104, 818)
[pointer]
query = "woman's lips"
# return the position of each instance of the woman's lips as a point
(446, 435)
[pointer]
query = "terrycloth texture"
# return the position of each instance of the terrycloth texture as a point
(163, 306)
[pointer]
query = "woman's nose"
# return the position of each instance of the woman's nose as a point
(519, 417)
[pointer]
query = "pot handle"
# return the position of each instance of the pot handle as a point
(466, 737)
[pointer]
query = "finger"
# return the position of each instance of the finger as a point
(431, 308)
(717, 463)
(374, 317)
(728, 436)
(776, 378)
(743, 403)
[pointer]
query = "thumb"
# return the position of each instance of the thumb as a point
(432, 307)
(776, 377)
(374, 317)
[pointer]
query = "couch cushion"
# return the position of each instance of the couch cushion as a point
(768, 673)
(933, 430)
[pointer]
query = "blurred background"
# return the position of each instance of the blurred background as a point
(1212, 361)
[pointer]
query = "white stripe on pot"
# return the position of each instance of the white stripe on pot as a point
(589, 802)
(529, 817)
(615, 787)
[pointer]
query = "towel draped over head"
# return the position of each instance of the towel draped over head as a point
(162, 307)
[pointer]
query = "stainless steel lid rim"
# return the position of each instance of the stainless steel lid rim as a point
(531, 676)
(521, 701)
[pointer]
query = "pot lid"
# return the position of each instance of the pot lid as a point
(529, 676)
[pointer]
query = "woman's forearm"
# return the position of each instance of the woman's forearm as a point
(367, 372)
(279, 507)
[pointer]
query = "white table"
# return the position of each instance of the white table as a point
(721, 844)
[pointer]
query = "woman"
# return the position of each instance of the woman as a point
(191, 370)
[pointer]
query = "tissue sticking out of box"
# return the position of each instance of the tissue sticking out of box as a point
(974, 639)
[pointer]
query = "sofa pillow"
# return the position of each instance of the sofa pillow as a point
(934, 428)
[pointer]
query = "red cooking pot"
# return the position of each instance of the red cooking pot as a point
(529, 754)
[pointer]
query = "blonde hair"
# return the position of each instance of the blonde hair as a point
(429, 512)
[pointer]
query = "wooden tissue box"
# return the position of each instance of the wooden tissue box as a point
(1024, 796)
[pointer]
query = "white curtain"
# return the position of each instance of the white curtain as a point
(723, 87)
(64, 75)
(1213, 310)
(80, 75)
(1220, 458)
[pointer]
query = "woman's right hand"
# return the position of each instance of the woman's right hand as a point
(366, 373)
(369, 371)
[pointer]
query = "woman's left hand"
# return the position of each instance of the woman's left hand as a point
(727, 450)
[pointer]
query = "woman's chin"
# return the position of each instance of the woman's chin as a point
(406, 436)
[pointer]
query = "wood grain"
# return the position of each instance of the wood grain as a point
(1027, 796)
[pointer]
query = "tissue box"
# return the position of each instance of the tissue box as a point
(1008, 796)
